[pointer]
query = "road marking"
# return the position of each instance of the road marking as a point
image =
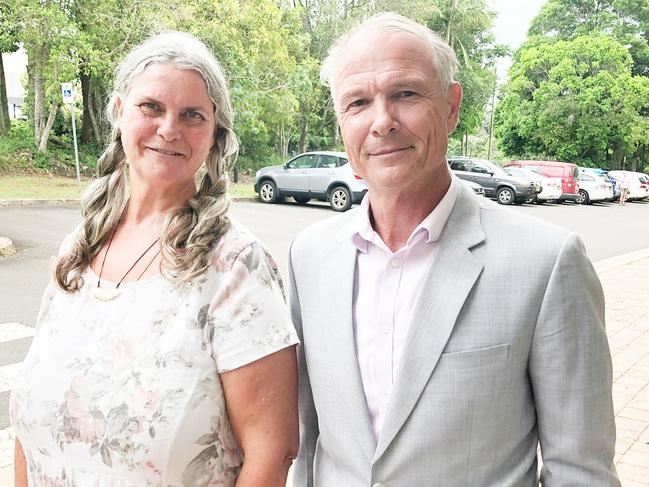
(6, 447)
(8, 374)
(14, 331)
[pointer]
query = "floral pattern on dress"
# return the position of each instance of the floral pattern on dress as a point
(127, 392)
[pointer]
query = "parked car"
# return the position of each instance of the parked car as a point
(550, 188)
(517, 172)
(603, 173)
(496, 182)
(638, 183)
(477, 189)
(324, 175)
(593, 188)
(568, 172)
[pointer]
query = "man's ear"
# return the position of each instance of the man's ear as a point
(454, 99)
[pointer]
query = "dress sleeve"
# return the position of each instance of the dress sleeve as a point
(250, 316)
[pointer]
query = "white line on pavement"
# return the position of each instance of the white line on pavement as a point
(14, 331)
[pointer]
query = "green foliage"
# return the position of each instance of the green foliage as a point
(466, 26)
(572, 100)
(271, 52)
(624, 20)
(18, 153)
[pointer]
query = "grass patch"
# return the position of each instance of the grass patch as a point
(19, 187)
(242, 189)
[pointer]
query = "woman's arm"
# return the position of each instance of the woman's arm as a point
(20, 466)
(261, 399)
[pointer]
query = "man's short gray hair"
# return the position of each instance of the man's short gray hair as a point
(441, 55)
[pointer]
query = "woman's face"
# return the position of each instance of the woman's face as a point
(168, 126)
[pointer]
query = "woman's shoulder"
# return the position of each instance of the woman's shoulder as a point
(236, 243)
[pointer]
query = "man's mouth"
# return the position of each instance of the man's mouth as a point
(387, 150)
(167, 152)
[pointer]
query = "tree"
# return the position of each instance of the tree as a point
(625, 20)
(48, 36)
(8, 43)
(573, 100)
(466, 26)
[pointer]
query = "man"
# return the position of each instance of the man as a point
(443, 338)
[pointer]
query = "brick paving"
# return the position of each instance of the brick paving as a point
(626, 288)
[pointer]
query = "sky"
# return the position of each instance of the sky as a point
(511, 24)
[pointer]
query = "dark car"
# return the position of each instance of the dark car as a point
(496, 182)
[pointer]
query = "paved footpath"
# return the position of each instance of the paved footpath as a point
(626, 286)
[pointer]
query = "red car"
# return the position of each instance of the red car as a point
(568, 172)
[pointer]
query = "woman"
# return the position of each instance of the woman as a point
(164, 353)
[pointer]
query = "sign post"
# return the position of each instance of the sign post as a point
(68, 98)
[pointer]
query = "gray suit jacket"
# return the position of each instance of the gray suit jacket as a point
(507, 351)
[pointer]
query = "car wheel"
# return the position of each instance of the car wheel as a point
(582, 198)
(301, 200)
(340, 199)
(505, 196)
(268, 191)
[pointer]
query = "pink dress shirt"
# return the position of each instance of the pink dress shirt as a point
(387, 286)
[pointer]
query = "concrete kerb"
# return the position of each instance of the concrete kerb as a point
(621, 260)
(71, 202)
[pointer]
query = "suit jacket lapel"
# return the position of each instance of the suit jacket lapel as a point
(337, 279)
(452, 276)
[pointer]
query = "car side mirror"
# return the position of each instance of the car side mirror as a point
(490, 173)
(285, 165)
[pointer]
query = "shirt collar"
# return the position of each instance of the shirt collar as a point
(431, 227)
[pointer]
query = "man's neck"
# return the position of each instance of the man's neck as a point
(395, 216)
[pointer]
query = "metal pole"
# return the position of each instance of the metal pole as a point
(493, 109)
(76, 150)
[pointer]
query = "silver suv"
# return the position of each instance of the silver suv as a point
(325, 176)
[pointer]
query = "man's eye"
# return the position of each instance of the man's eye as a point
(406, 94)
(358, 103)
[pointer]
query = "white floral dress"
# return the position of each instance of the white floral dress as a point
(126, 393)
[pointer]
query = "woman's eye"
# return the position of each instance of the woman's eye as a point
(150, 108)
(194, 115)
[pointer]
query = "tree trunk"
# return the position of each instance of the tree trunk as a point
(45, 135)
(5, 122)
(87, 134)
(96, 109)
(304, 125)
(38, 102)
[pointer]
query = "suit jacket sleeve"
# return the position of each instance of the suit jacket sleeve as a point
(303, 473)
(571, 374)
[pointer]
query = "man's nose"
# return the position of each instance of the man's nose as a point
(385, 120)
(169, 127)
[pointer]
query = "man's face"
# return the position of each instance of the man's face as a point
(394, 117)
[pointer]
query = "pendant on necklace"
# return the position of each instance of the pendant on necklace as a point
(105, 294)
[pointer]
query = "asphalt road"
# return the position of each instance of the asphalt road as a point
(607, 229)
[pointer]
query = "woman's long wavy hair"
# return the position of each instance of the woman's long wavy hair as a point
(188, 233)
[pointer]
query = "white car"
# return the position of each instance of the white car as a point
(550, 187)
(593, 188)
(638, 183)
